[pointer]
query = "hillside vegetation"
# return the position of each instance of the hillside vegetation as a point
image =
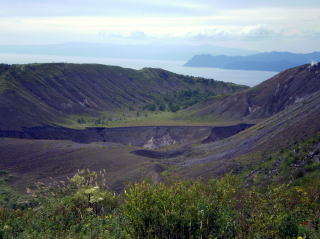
(42, 94)
(83, 207)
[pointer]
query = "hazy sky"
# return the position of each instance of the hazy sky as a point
(288, 25)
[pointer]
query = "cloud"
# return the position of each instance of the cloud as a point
(40, 8)
(15, 8)
(231, 22)
(246, 33)
(311, 34)
(139, 35)
(126, 38)
(259, 32)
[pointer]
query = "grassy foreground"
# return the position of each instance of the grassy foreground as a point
(83, 207)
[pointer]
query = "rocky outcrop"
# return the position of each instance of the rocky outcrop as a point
(218, 133)
(149, 137)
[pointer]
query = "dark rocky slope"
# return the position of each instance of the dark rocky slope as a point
(294, 124)
(266, 99)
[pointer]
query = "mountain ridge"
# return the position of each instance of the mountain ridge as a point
(41, 94)
(295, 124)
(266, 61)
(267, 98)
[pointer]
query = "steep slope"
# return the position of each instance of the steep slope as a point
(266, 61)
(266, 99)
(297, 122)
(41, 94)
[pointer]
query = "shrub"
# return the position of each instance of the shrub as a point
(84, 207)
(179, 210)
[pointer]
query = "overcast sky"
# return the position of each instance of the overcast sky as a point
(281, 25)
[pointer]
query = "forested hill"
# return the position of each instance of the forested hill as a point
(266, 61)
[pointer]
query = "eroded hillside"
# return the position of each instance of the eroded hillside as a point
(267, 98)
(42, 94)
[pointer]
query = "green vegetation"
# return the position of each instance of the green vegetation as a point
(83, 207)
(298, 163)
(2, 85)
(50, 93)
(143, 118)
(8, 196)
(3, 69)
(177, 100)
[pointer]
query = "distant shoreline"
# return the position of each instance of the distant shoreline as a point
(267, 61)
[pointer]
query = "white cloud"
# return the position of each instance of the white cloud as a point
(257, 32)
(139, 7)
(216, 25)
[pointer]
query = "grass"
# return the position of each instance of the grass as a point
(3, 82)
(288, 164)
(143, 118)
(2, 86)
(84, 207)
(8, 195)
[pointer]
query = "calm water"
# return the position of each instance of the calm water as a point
(249, 78)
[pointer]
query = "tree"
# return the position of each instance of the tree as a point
(173, 107)
(162, 107)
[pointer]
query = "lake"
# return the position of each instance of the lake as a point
(250, 78)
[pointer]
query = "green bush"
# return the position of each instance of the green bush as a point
(179, 210)
(150, 107)
(84, 207)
